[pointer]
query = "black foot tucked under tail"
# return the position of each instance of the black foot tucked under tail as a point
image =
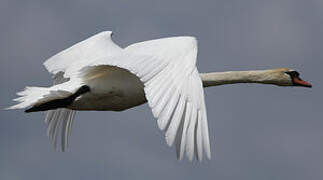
(59, 103)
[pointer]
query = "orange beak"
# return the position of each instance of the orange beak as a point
(299, 82)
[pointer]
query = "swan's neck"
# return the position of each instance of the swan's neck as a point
(233, 77)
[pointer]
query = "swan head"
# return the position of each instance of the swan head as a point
(289, 77)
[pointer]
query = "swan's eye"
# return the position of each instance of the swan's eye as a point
(292, 74)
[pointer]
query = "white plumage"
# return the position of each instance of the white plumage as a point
(167, 73)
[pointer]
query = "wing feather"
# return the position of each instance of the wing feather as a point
(175, 121)
(199, 140)
(164, 118)
(190, 142)
(186, 122)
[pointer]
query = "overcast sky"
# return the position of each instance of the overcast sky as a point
(262, 132)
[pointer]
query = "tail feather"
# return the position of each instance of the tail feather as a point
(29, 96)
(35, 96)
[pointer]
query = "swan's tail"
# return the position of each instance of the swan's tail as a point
(32, 96)
(43, 99)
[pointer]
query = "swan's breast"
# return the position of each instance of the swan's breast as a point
(111, 89)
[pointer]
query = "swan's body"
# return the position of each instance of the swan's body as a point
(112, 89)
(97, 74)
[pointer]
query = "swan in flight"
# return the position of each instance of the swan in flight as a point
(97, 74)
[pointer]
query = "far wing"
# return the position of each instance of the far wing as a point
(82, 54)
(173, 89)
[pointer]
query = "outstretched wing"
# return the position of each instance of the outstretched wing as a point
(176, 94)
(173, 89)
(61, 65)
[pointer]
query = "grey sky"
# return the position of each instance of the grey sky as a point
(263, 132)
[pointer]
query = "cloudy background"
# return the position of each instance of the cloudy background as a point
(263, 132)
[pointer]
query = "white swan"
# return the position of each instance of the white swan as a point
(96, 74)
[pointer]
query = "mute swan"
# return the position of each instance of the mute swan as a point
(97, 74)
